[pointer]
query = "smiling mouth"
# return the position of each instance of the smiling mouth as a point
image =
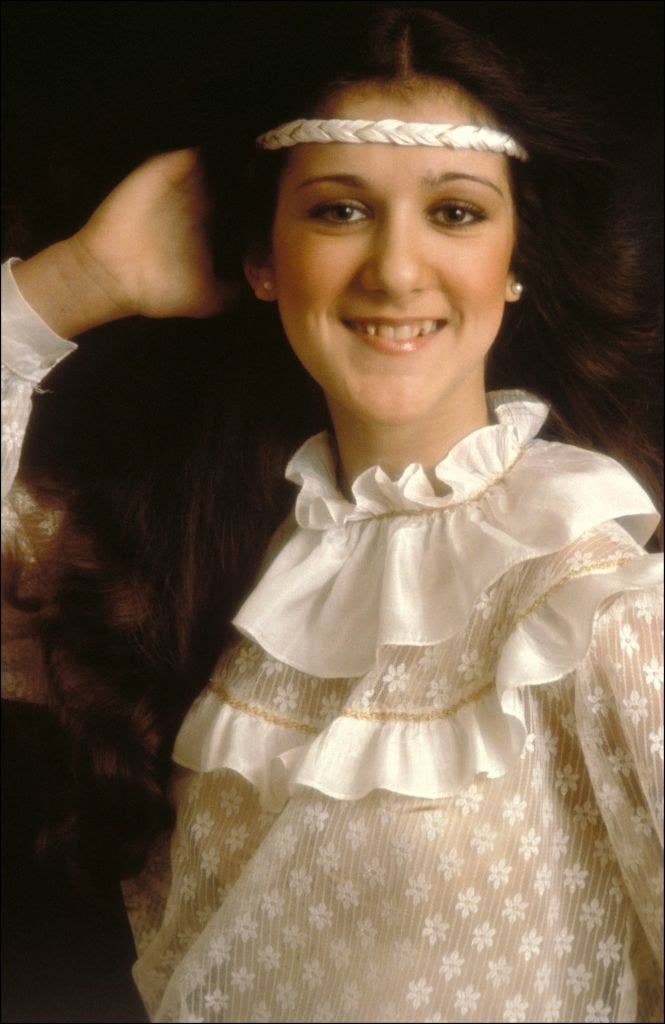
(395, 338)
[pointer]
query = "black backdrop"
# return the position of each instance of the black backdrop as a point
(89, 89)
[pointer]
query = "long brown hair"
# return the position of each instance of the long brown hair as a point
(164, 445)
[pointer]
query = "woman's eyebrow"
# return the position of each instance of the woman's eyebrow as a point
(429, 181)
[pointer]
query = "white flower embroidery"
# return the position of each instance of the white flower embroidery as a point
(242, 979)
(269, 957)
(357, 833)
(483, 936)
(435, 929)
(597, 699)
(552, 1010)
(419, 993)
(450, 864)
(483, 605)
(341, 952)
(641, 821)
(201, 826)
(515, 1009)
(653, 673)
(543, 879)
(316, 817)
(419, 889)
(244, 927)
(529, 745)
(644, 608)
(548, 742)
(592, 914)
(210, 862)
(628, 640)
(374, 872)
(563, 943)
(499, 971)
(328, 858)
(609, 951)
(261, 1014)
(602, 850)
(330, 706)
(466, 999)
(597, 1012)
(530, 844)
(469, 800)
(219, 949)
(566, 780)
(287, 841)
(272, 903)
(578, 978)
(285, 995)
(366, 933)
(451, 965)
(467, 902)
(499, 873)
(396, 678)
(300, 881)
(348, 894)
(433, 824)
(620, 761)
(230, 801)
(560, 842)
(312, 973)
(439, 691)
(542, 979)
(636, 707)
(320, 916)
(483, 838)
(286, 698)
(428, 659)
(470, 666)
(575, 878)
(514, 809)
(236, 837)
(530, 944)
(610, 795)
(656, 741)
(514, 908)
(216, 1000)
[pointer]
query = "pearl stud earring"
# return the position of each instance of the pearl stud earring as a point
(517, 288)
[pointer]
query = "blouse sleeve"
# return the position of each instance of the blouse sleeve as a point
(30, 350)
(620, 720)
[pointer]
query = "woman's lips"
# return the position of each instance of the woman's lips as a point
(395, 337)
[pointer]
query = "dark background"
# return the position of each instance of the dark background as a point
(89, 90)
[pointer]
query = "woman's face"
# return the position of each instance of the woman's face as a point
(391, 264)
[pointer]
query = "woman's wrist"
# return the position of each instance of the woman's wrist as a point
(66, 291)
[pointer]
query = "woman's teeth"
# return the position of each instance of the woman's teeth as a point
(391, 333)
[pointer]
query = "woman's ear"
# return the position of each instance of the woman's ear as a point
(261, 280)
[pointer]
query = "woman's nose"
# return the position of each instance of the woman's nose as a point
(398, 262)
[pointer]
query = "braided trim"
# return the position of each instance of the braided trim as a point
(396, 133)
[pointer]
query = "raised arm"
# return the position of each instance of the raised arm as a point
(143, 252)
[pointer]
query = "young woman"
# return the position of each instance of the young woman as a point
(421, 782)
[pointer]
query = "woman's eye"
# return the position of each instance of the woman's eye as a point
(338, 213)
(457, 215)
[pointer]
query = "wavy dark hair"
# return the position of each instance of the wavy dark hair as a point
(164, 445)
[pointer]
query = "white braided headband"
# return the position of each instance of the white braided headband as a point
(397, 133)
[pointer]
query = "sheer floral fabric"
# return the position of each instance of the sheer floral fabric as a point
(438, 801)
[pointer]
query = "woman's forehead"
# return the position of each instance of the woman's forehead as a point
(378, 164)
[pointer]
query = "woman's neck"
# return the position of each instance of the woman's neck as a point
(393, 447)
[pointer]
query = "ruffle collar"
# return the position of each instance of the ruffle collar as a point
(470, 466)
(402, 565)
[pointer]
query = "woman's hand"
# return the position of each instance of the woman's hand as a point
(144, 251)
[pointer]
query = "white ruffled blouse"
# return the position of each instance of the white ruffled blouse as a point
(423, 785)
